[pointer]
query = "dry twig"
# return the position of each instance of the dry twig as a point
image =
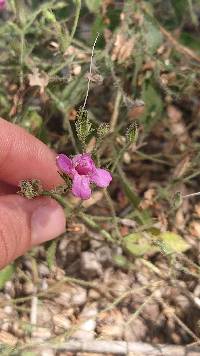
(123, 348)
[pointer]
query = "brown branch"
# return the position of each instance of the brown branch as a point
(179, 47)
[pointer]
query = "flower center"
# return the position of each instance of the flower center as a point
(83, 168)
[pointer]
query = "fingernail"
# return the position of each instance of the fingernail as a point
(47, 222)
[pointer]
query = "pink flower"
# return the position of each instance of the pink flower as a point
(2, 4)
(82, 170)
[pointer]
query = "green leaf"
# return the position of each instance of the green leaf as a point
(6, 274)
(51, 253)
(93, 5)
(134, 243)
(153, 105)
(180, 8)
(172, 242)
(131, 195)
(190, 40)
(153, 37)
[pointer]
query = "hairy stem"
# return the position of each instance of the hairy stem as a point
(77, 14)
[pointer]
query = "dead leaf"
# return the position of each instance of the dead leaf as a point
(148, 199)
(123, 48)
(182, 167)
(177, 125)
(38, 79)
(76, 69)
(72, 114)
(73, 51)
(7, 338)
(194, 228)
(180, 218)
(197, 209)
(91, 145)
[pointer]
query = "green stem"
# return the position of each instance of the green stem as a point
(77, 14)
(152, 158)
(62, 108)
(59, 199)
(119, 156)
(115, 220)
(22, 42)
(192, 13)
(92, 224)
(71, 133)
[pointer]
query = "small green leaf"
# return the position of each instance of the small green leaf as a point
(177, 200)
(173, 242)
(6, 274)
(121, 261)
(51, 253)
(134, 243)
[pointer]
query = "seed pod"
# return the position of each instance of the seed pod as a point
(83, 126)
(103, 130)
(132, 133)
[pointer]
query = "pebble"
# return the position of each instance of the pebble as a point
(87, 323)
(9, 288)
(43, 270)
(41, 334)
(104, 255)
(72, 296)
(90, 266)
(135, 331)
(61, 322)
(47, 352)
(28, 288)
(44, 315)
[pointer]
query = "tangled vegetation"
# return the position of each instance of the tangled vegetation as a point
(119, 80)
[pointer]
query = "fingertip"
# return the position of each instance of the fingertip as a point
(25, 223)
(47, 222)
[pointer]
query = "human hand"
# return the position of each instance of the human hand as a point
(25, 223)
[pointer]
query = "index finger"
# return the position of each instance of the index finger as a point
(23, 156)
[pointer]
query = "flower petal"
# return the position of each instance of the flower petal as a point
(101, 178)
(81, 187)
(64, 164)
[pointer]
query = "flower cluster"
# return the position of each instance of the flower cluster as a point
(82, 170)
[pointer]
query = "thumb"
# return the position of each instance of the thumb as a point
(26, 223)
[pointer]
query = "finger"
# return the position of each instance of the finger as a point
(26, 223)
(23, 156)
(6, 188)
